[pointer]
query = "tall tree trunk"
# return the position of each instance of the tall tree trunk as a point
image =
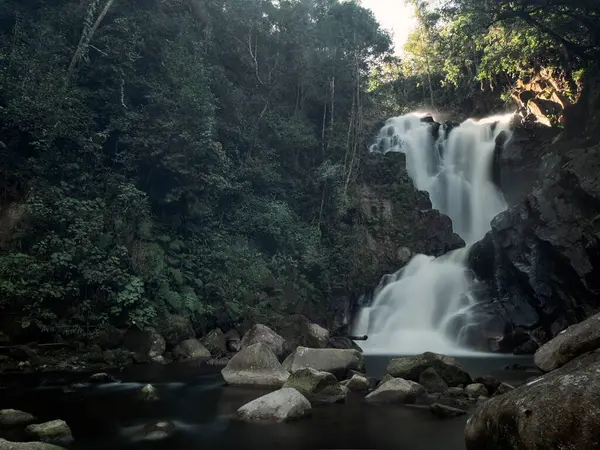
(87, 34)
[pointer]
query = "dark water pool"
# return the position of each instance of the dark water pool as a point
(201, 407)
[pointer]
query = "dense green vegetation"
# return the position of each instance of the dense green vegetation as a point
(199, 156)
(177, 156)
(465, 53)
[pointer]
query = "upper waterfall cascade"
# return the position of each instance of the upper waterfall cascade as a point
(425, 305)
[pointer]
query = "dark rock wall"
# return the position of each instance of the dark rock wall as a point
(540, 263)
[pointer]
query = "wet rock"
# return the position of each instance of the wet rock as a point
(569, 344)
(396, 390)
(216, 342)
(503, 388)
(358, 383)
(559, 410)
(14, 418)
(176, 329)
(233, 340)
(317, 386)
(109, 337)
(318, 337)
(475, 390)
(539, 259)
(102, 378)
(335, 361)
(255, 365)
(190, 349)
(432, 381)
(263, 334)
(53, 432)
(148, 394)
(155, 431)
(109, 357)
(411, 368)
(387, 377)
(146, 345)
(490, 383)
(455, 392)
(6, 445)
(283, 405)
(445, 411)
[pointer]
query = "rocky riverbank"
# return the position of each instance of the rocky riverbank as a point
(558, 410)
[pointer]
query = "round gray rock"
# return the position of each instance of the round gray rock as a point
(264, 335)
(255, 365)
(396, 390)
(283, 405)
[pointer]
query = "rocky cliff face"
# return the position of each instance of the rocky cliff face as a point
(540, 263)
(393, 222)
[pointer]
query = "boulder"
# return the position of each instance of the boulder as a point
(109, 337)
(318, 337)
(476, 390)
(384, 379)
(176, 329)
(396, 390)
(216, 342)
(299, 331)
(191, 349)
(6, 445)
(445, 411)
(102, 378)
(455, 392)
(263, 334)
(233, 341)
(146, 345)
(283, 405)
(489, 382)
(411, 368)
(432, 381)
(155, 431)
(255, 365)
(15, 418)
(317, 386)
(147, 394)
(332, 360)
(559, 410)
(358, 383)
(55, 431)
(567, 345)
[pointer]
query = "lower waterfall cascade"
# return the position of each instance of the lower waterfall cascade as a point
(425, 305)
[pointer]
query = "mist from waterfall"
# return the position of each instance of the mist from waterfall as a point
(425, 305)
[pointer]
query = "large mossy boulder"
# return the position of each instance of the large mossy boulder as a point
(332, 360)
(569, 344)
(397, 390)
(255, 365)
(146, 345)
(559, 410)
(283, 405)
(54, 432)
(191, 349)
(265, 335)
(411, 368)
(317, 386)
(15, 418)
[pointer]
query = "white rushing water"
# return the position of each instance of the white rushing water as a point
(424, 306)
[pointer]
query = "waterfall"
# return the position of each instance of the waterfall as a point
(425, 305)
